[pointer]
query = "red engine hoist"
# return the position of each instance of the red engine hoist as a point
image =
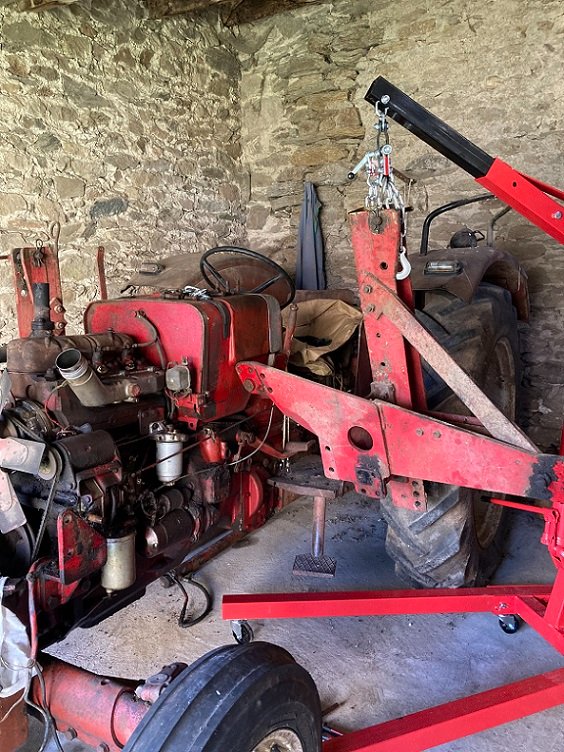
(364, 442)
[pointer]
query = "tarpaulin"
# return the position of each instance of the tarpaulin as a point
(323, 326)
(310, 263)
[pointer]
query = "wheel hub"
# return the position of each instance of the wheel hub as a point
(281, 740)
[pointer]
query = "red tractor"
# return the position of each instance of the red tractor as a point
(161, 435)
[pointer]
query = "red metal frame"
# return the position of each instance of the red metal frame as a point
(528, 196)
(39, 264)
(372, 442)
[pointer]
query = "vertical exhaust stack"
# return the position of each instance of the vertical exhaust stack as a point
(41, 325)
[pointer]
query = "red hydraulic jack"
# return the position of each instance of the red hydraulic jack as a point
(393, 443)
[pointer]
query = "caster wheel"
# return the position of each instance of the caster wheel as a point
(242, 632)
(241, 698)
(510, 623)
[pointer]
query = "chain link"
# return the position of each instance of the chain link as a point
(382, 190)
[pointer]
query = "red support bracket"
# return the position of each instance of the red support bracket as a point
(31, 265)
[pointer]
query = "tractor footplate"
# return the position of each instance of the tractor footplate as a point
(314, 566)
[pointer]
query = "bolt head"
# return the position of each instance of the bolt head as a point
(557, 215)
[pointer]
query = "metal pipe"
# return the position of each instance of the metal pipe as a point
(41, 323)
(290, 329)
(318, 529)
(86, 385)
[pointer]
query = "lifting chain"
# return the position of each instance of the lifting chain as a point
(382, 190)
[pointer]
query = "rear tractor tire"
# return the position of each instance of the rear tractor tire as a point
(457, 541)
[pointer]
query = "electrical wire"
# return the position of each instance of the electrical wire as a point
(50, 727)
(184, 622)
(191, 446)
(260, 446)
(15, 705)
(48, 505)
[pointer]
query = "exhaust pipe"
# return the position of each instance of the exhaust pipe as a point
(86, 385)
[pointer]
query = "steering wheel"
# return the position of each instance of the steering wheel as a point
(262, 267)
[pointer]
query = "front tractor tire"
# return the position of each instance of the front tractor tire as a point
(241, 698)
(457, 541)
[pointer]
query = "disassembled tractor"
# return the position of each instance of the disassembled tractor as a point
(170, 428)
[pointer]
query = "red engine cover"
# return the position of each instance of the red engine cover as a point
(209, 336)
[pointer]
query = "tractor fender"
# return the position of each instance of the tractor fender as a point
(475, 265)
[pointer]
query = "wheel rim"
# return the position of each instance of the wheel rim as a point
(281, 740)
(499, 385)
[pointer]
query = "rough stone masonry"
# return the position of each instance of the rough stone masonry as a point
(153, 137)
(124, 129)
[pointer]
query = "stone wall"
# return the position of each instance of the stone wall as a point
(126, 130)
(490, 69)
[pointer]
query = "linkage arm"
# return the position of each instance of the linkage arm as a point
(366, 442)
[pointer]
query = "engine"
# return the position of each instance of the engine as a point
(134, 446)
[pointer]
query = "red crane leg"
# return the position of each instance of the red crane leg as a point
(454, 720)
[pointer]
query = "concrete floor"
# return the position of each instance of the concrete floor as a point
(376, 668)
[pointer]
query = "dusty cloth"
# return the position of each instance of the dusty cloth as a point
(310, 264)
(323, 326)
(15, 665)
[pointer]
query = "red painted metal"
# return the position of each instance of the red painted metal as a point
(82, 550)
(376, 256)
(97, 709)
(398, 441)
(527, 196)
(404, 443)
(210, 336)
(454, 720)
(31, 265)
(499, 599)
(397, 375)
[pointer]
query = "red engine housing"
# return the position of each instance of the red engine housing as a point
(209, 336)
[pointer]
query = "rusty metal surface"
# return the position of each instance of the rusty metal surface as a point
(101, 266)
(38, 354)
(96, 709)
(305, 478)
(404, 443)
(479, 264)
(13, 723)
(31, 265)
(395, 365)
(498, 425)
(82, 550)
